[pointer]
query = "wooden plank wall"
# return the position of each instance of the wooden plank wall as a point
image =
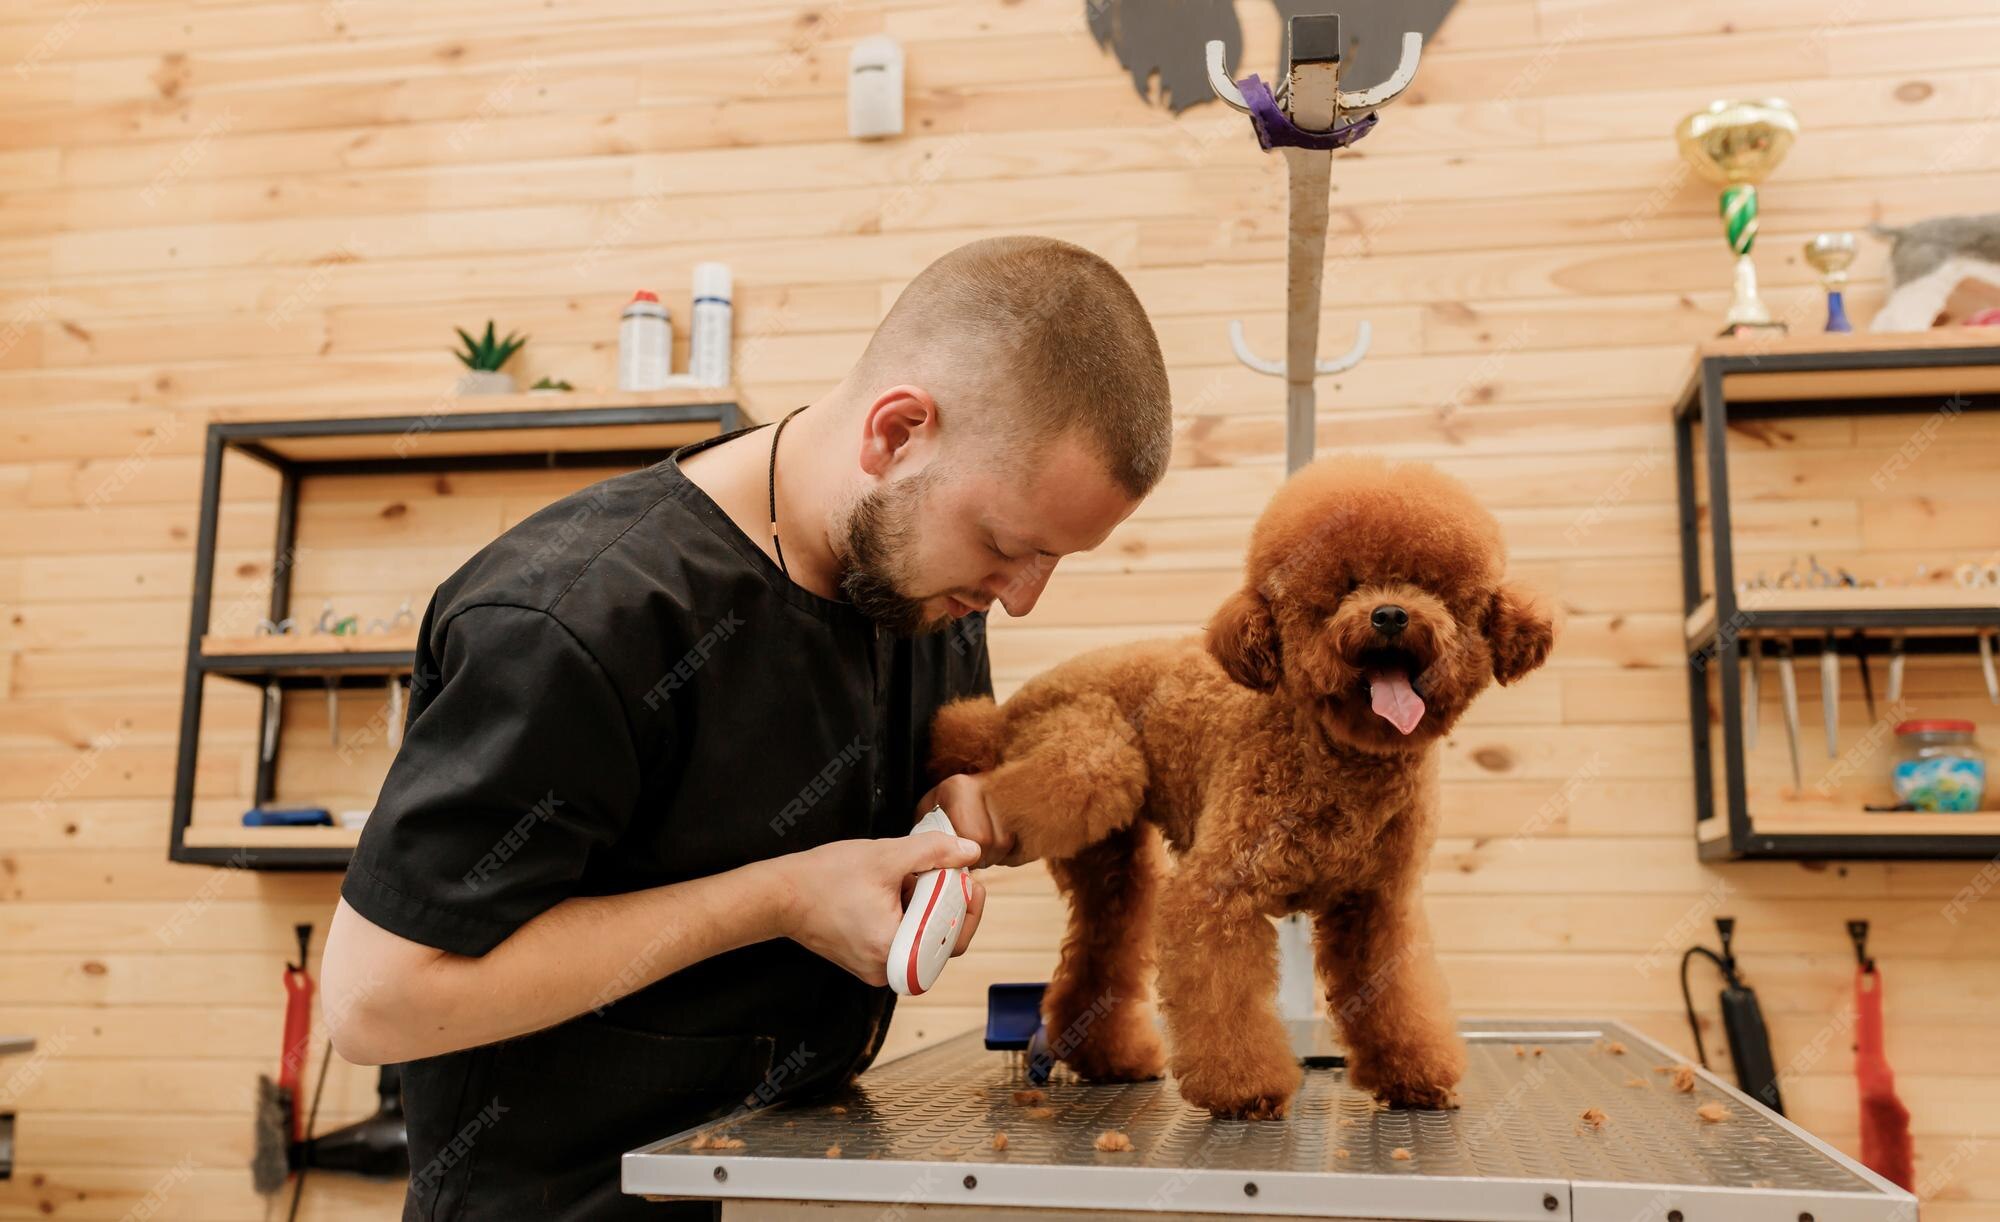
(249, 208)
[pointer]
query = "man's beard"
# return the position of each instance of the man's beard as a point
(881, 531)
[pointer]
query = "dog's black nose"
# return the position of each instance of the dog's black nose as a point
(1389, 620)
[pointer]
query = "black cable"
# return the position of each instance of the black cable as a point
(1687, 997)
(312, 1115)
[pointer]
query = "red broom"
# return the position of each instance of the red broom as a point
(1885, 1122)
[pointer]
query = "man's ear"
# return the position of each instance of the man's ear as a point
(1244, 638)
(898, 416)
(1520, 630)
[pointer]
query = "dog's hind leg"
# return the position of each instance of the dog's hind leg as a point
(1384, 989)
(1099, 1020)
(1231, 1053)
(1071, 775)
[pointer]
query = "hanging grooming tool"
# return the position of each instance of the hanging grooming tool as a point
(333, 710)
(1885, 1122)
(1747, 594)
(395, 712)
(1788, 686)
(1819, 578)
(1742, 1020)
(274, 706)
(1308, 118)
(1848, 580)
(1867, 679)
(1973, 576)
(1896, 669)
(298, 1027)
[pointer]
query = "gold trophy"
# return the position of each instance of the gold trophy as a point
(1737, 144)
(1829, 254)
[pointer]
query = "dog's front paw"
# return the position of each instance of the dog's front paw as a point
(1238, 1092)
(1124, 1052)
(1425, 1095)
(1419, 1074)
(1408, 1089)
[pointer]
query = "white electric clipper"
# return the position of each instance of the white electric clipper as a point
(930, 924)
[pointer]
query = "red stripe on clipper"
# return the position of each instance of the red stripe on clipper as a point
(917, 942)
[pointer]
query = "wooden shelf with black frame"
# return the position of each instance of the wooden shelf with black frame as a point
(538, 436)
(1831, 488)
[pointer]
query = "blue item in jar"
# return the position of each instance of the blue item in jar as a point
(1940, 782)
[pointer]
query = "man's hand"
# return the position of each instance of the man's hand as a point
(845, 899)
(964, 800)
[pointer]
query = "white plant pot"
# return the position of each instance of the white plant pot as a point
(486, 382)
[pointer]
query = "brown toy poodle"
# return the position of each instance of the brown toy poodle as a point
(1290, 761)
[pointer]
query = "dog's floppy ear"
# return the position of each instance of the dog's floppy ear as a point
(1520, 630)
(1244, 638)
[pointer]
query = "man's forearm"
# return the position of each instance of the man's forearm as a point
(580, 955)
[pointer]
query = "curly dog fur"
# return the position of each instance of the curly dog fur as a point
(1260, 757)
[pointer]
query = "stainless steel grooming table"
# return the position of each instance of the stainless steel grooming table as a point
(917, 1133)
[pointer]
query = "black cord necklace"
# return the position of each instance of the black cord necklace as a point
(775, 435)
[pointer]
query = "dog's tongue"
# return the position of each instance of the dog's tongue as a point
(1390, 695)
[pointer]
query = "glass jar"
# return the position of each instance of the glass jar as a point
(1938, 767)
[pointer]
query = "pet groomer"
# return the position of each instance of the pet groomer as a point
(643, 850)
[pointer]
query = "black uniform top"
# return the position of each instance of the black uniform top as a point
(622, 692)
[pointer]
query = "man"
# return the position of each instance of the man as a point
(644, 847)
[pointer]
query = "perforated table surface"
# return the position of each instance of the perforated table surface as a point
(917, 1133)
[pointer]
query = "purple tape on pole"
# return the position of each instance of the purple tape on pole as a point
(1274, 130)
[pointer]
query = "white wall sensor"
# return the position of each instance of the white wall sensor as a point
(875, 88)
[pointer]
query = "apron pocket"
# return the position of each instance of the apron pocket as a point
(577, 1096)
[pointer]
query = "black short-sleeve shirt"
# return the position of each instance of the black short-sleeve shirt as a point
(623, 692)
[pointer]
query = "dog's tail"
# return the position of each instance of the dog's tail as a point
(966, 737)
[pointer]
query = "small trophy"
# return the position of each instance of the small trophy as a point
(1737, 144)
(1830, 253)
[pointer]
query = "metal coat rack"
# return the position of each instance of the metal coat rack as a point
(1307, 117)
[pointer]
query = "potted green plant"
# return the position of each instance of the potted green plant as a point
(548, 385)
(483, 358)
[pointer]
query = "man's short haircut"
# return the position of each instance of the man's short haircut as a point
(1046, 332)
